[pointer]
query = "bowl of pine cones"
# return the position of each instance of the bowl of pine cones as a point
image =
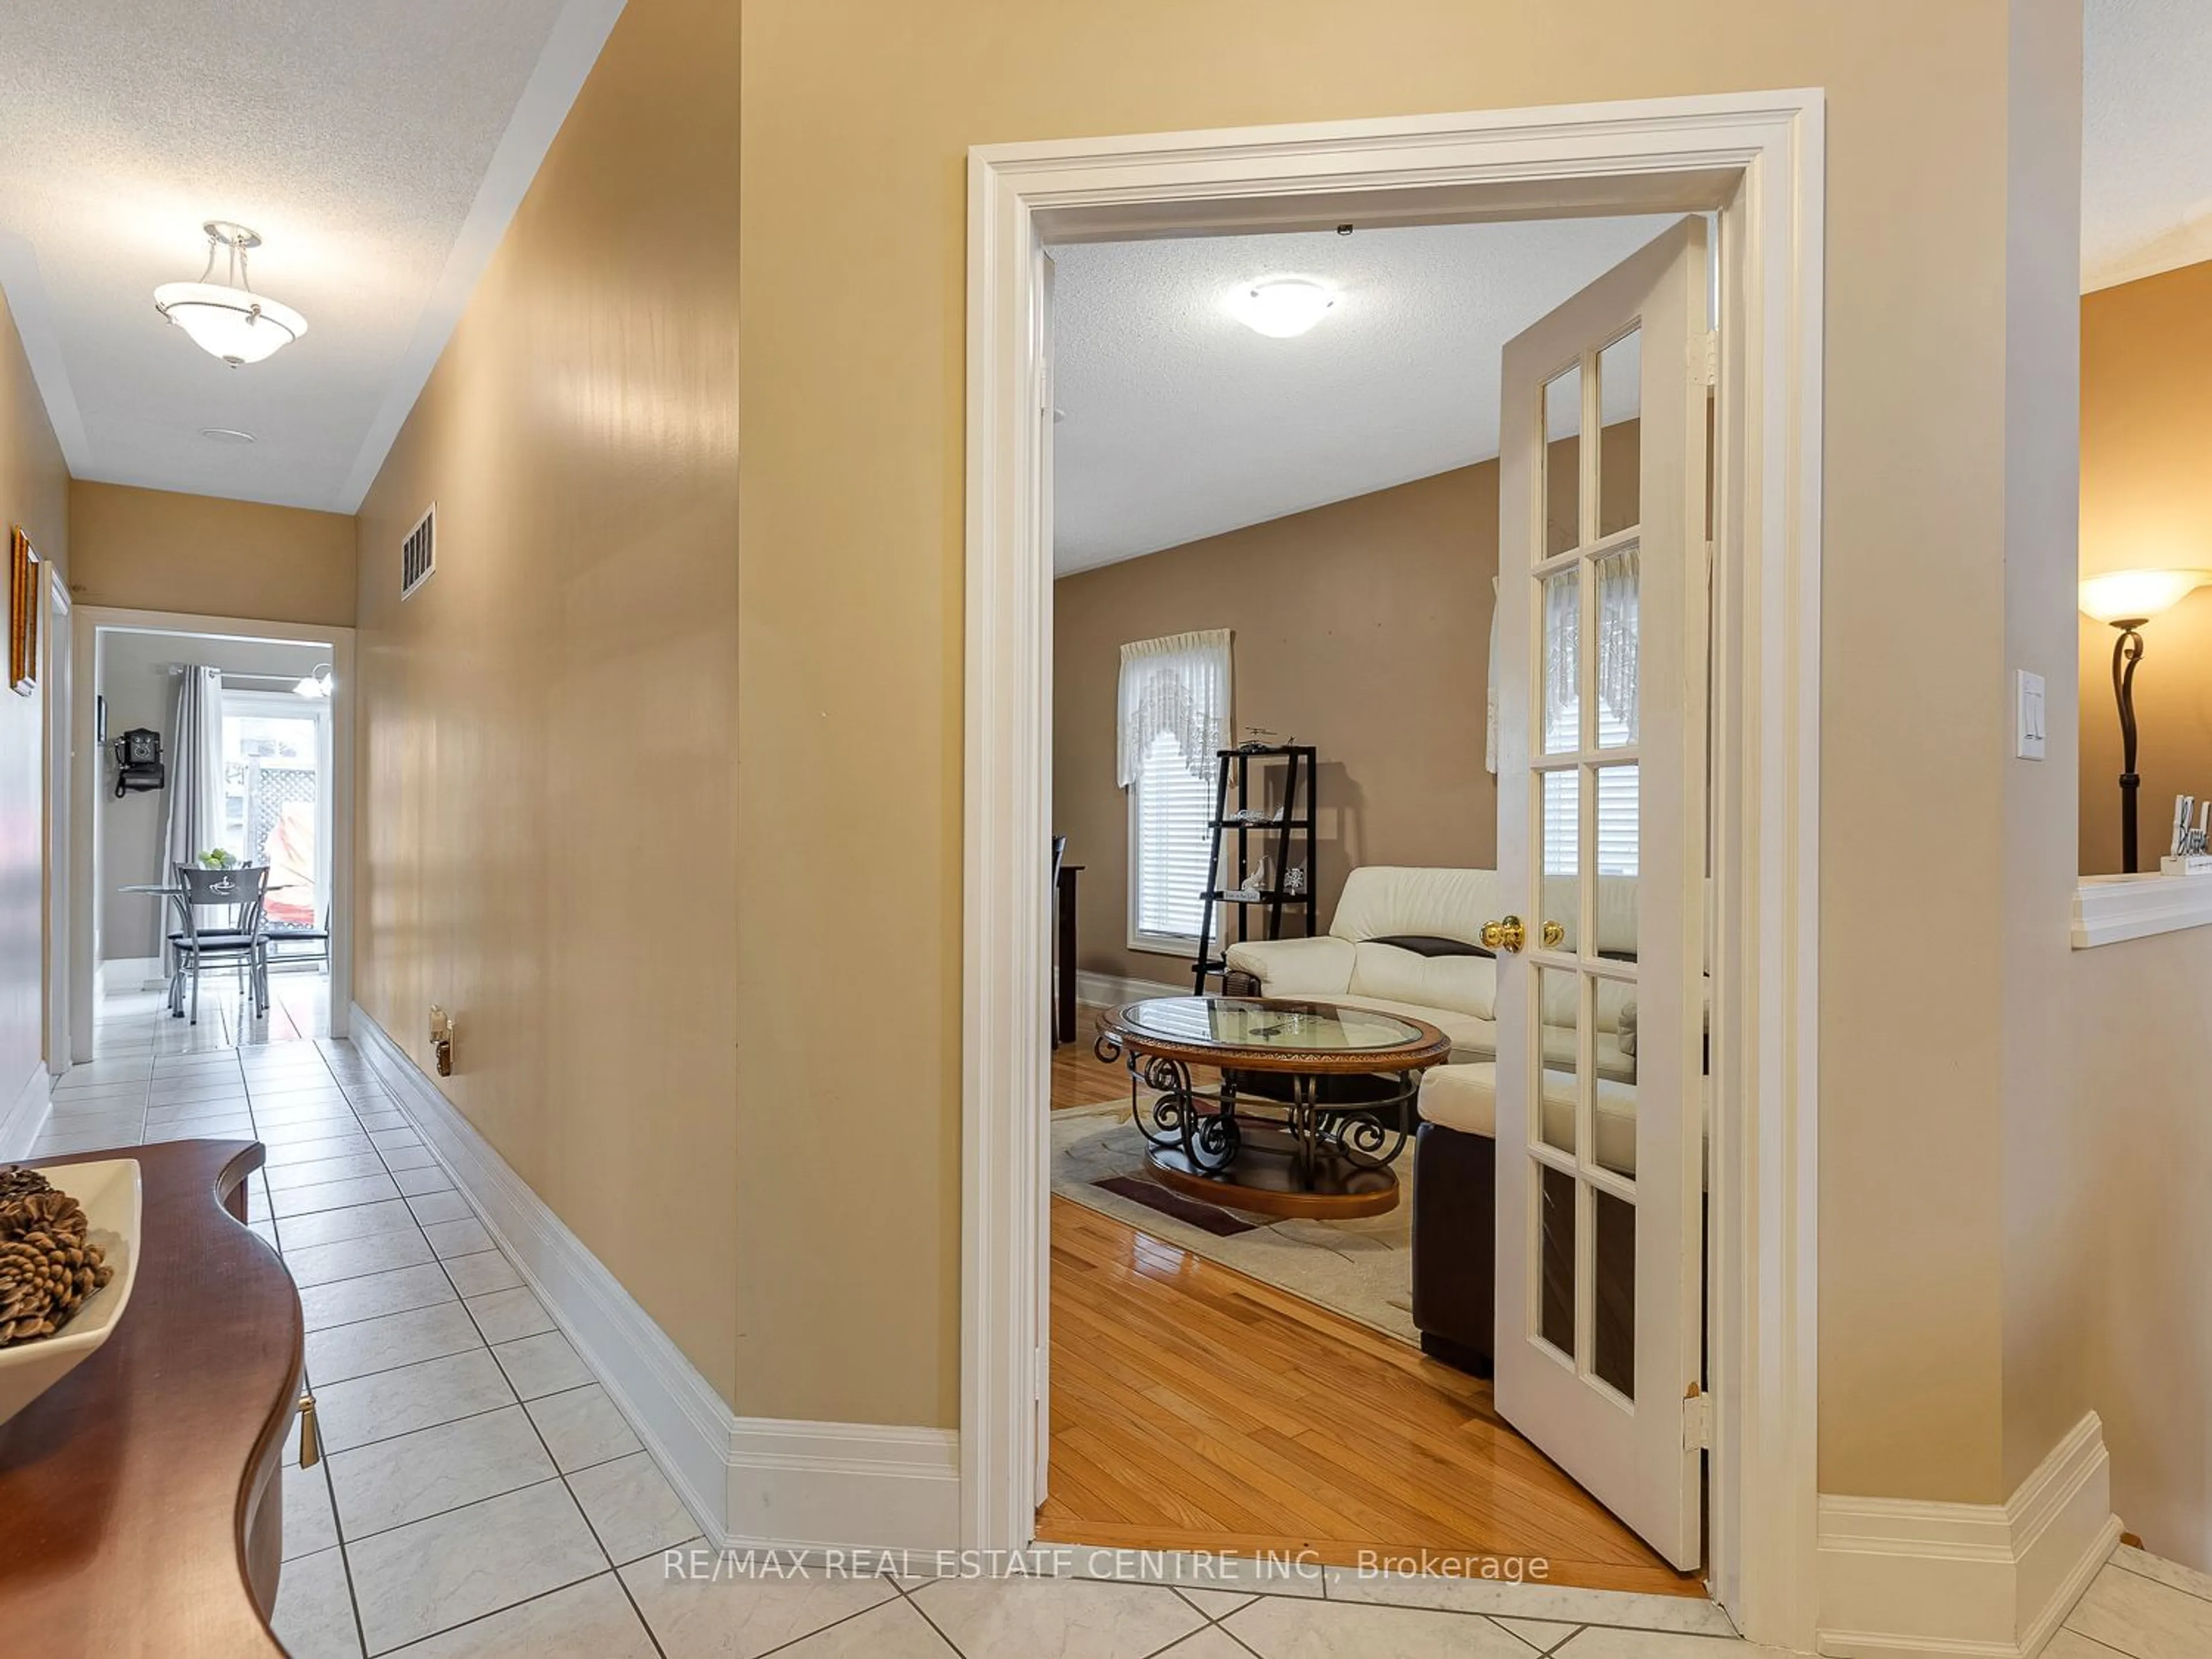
(68, 1250)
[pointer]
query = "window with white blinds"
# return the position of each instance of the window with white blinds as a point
(1617, 807)
(1171, 847)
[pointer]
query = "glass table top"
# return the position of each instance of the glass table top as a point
(1301, 1027)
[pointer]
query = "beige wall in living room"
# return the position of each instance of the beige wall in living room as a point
(1362, 628)
(850, 585)
(159, 549)
(546, 774)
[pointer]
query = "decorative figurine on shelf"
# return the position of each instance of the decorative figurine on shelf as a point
(2189, 855)
(1256, 883)
(1294, 882)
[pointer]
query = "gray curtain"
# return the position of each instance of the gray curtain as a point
(194, 754)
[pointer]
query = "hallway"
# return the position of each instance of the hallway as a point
(472, 1462)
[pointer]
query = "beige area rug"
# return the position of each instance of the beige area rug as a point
(1362, 1269)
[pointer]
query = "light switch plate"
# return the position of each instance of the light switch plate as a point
(2028, 716)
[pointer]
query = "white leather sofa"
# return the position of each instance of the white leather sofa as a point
(1361, 962)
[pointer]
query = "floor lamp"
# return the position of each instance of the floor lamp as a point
(2127, 599)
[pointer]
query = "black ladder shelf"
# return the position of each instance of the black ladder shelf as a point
(1288, 822)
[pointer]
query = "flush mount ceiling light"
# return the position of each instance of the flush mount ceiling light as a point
(228, 320)
(1281, 306)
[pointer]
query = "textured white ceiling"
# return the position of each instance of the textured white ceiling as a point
(1180, 421)
(379, 146)
(2146, 138)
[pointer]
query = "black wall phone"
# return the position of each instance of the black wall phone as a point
(138, 762)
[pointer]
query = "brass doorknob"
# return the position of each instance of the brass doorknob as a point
(1507, 935)
(1555, 935)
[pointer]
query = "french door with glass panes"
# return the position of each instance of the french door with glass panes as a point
(1601, 856)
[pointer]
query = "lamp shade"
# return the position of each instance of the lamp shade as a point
(2125, 596)
(234, 324)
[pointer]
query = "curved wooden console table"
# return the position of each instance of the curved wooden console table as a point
(140, 1508)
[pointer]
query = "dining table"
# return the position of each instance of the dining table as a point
(170, 891)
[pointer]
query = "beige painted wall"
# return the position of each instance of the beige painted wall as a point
(2142, 1014)
(856, 127)
(1362, 628)
(155, 550)
(545, 765)
(2050, 1213)
(2146, 501)
(35, 494)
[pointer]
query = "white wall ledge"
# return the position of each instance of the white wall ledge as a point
(2110, 908)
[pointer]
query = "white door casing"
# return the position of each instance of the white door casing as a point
(1599, 1259)
(90, 625)
(1757, 159)
(1040, 1405)
(60, 658)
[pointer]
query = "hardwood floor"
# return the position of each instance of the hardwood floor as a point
(1079, 1077)
(1195, 1409)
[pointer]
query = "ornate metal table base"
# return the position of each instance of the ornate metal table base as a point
(1299, 1156)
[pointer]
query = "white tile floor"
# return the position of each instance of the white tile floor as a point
(482, 1494)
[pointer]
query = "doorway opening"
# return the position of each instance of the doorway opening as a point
(206, 744)
(277, 807)
(1277, 768)
(1752, 160)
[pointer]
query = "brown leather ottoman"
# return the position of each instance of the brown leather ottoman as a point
(1456, 1245)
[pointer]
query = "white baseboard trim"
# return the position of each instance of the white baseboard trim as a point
(675, 1411)
(749, 1482)
(27, 1115)
(812, 1487)
(1907, 1580)
(119, 976)
(1113, 988)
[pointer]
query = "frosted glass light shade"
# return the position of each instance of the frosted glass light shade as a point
(1283, 308)
(234, 324)
(2123, 596)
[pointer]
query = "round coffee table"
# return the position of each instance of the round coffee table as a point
(1316, 1101)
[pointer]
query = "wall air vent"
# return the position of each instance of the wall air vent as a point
(418, 554)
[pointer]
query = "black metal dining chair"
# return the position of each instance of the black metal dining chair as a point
(315, 937)
(236, 944)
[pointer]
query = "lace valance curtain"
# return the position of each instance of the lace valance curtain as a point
(1178, 684)
(1618, 577)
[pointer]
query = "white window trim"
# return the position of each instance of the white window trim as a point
(2111, 909)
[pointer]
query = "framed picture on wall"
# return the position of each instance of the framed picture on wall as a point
(26, 600)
